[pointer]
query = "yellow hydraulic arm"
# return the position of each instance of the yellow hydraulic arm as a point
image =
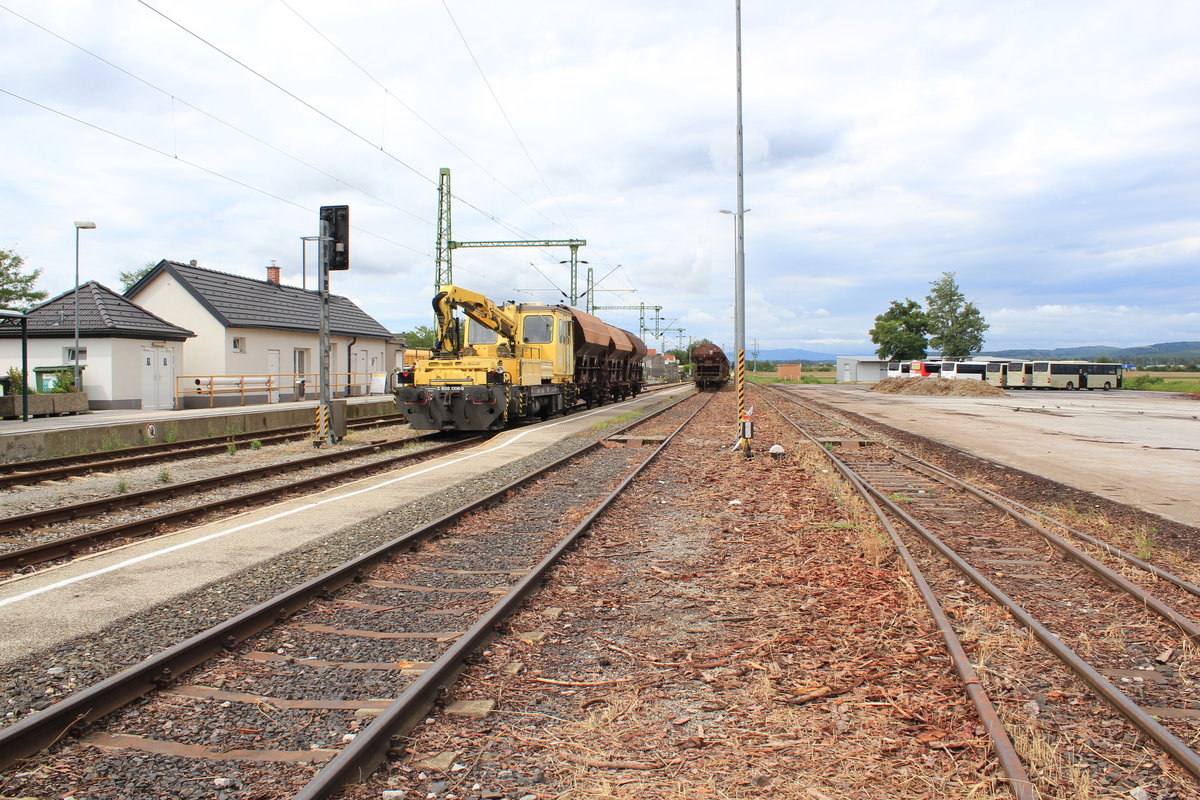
(477, 307)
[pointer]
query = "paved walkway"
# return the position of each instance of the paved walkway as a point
(1138, 448)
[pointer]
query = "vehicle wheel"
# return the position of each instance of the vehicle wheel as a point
(1070, 386)
(1107, 385)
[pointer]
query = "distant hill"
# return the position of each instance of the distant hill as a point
(792, 354)
(1163, 353)
(1166, 352)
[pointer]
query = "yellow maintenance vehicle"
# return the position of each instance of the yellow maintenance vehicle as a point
(515, 361)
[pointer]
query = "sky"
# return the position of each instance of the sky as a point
(1048, 154)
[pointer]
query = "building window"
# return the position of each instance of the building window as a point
(69, 355)
(239, 344)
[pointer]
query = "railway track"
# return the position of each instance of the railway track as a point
(1082, 599)
(53, 469)
(304, 692)
(68, 529)
(40, 540)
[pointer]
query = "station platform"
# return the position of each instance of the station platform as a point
(50, 437)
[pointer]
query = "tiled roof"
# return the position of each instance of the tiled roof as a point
(241, 302)
(102, 313)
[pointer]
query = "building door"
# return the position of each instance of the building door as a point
(362, 377)
(158, 377)
(273, 371)
(300, 367)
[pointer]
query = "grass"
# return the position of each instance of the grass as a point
(763, 379)
(231, 449)
(112, 442)
(122, 486)
(164, 475)
(1143, 537)
(256, 445)
(626, 417)
(1163, 382)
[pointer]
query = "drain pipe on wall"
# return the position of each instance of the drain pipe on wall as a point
(349, 361)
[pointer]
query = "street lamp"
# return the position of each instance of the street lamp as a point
(78, 227)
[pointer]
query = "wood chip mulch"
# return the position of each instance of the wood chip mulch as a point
(732, 629)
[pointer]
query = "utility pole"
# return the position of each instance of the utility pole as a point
(643, 328)
(745, 425)
(443, 268)
(574, 244)
(754, 352)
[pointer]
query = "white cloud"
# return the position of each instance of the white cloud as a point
(1047, 157)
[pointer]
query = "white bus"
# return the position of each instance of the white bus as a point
(1076, 375)
(964, 370)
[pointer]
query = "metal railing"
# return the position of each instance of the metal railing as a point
(276, 388)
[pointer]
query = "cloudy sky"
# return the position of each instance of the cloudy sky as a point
(1048, 153)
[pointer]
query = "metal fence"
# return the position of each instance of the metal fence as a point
(271, 388)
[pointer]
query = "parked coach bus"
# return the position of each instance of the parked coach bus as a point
(924, 368)
(898, 369)
(1019, 375)
(1076, 375)
(964, 370)
(996, 373)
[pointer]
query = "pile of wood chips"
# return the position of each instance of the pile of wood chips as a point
(723, 633)
(939, 386)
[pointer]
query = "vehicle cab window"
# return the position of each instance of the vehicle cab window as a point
(539, 329)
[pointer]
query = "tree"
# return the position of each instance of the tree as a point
(17, 290)
(128, 279)
(900, 331)
(421, 336)
(955, 326)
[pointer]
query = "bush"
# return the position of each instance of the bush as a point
(14, 382)
(1143, 382)
(64, 381)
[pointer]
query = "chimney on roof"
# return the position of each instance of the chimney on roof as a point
(273, 272)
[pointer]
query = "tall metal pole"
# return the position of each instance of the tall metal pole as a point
(739, 314)
(78, 226)
(325, 430)
(443, 267)
(76, 300)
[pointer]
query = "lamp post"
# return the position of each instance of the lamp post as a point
(78, 227)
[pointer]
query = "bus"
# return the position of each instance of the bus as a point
(1076, 375)
(997, 372)
(1019, 375)
(964, 370)
(924, 368)
(1103, 376)
(898, 369)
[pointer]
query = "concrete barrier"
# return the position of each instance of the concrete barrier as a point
(23, 446)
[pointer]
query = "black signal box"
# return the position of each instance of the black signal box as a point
(337, 252)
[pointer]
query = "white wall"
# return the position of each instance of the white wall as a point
(165, 298)
(114, 366)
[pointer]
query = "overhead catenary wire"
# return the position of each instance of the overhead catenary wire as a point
(433, 128)
(194, 165)
(360, 137)
(175, 99)
(507, 120)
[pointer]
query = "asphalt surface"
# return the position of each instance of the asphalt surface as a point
(1137, 448)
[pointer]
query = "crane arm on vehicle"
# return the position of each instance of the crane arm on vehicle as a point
(477, 307)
